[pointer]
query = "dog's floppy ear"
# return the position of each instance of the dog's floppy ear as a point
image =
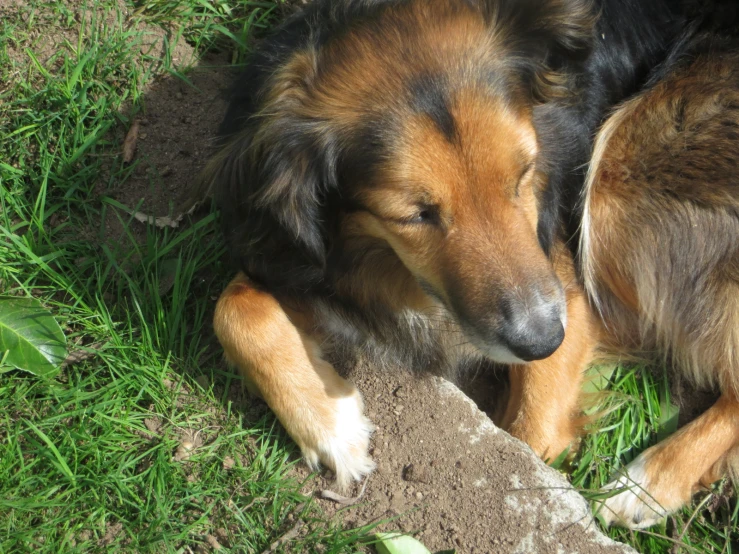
(547, 38)
(273, 176)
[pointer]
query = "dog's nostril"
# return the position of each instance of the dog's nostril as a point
(532, 332)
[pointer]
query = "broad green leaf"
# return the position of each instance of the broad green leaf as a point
(30, 338)
(393, 543)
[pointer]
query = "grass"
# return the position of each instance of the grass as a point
(93, 460)
(638, 414)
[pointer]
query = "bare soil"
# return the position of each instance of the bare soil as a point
(177, 126)
(445, 472)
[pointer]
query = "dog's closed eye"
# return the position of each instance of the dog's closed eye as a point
(426, 215)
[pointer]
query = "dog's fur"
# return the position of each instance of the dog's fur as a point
(660, 253)
(400, 177)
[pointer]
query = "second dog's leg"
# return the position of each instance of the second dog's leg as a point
(321, 411)
(664, 477)
(544, 399)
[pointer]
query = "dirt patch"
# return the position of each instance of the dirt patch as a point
(177, 117)
(69, 18)
(447, 473)
(177, 122)
(177, 127)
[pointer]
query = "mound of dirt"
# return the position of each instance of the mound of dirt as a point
(446, 472)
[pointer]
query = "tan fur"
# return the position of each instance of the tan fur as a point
(544, 405)
(475, 187)
(651, 181)
(283, 363)
(726, 466)
(678, 475)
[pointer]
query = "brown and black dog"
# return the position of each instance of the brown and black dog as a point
(400, 179)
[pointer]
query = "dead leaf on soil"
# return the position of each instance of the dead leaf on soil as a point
(292, 533)
(77, 356)
(160, 222)
(129, 143)
(213, 542)
(164, 221)
(203, 381)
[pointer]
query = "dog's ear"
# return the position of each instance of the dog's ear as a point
(273, 176)
(547, 39)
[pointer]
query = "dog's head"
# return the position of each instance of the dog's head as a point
(413, 125)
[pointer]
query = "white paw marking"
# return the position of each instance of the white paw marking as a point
(344, 449)
(634, 507)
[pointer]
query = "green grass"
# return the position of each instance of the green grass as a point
(218, 23)
(638, 414)
(87, 460)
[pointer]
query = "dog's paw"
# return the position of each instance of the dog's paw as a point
(343, 445)
(644, 493)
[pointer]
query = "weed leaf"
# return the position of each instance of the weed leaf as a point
(30, 338)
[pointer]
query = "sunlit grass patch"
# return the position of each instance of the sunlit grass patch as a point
(143, 442)
(638, 413)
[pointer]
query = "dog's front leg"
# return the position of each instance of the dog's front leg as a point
(321, 411)
(544, 397)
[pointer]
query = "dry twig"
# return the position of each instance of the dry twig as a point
(344, 500)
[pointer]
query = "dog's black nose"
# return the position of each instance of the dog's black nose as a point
(533, 329)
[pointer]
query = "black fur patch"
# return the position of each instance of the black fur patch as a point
(429, 96)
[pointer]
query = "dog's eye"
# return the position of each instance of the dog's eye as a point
(428, 215)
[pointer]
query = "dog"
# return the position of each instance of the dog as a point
(660, 258)
(401, 179)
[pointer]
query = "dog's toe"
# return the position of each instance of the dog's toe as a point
(344, 448)
(638, 501)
